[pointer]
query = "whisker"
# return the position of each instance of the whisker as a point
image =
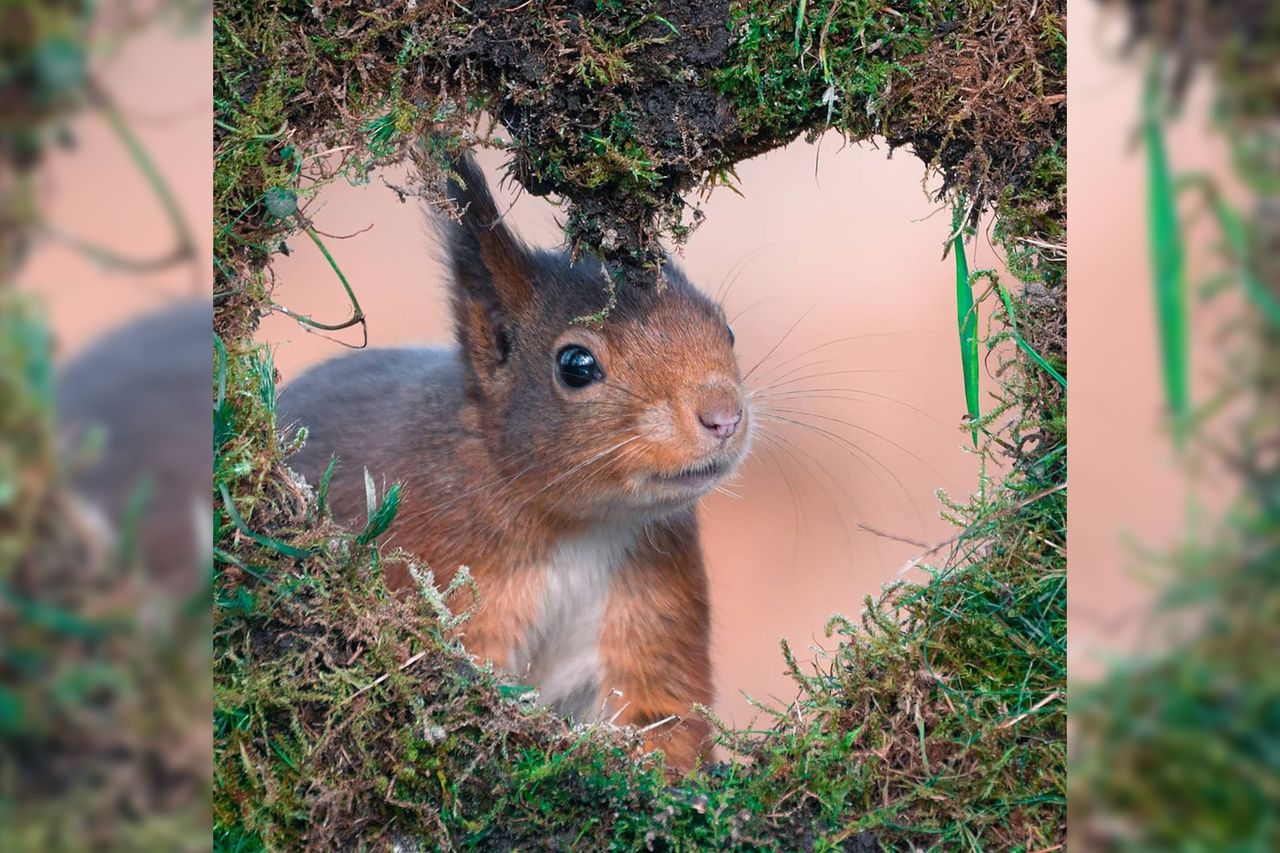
(856, 452)
(768, 379)
(739, 267)
(780, 342)
(524, 503)
(438, 509)
(824, 374)
(613, 383)
(753, 305)
(817, 465)
(579, 467)
(852, 425)
(838, 394)
(782, 445)
(846, 339)
(803, 458)
(795, 506)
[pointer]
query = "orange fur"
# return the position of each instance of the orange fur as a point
(655, 643)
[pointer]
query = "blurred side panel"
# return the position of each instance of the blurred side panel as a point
(105, 433)
(1175, 426)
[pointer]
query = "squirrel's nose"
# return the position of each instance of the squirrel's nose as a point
(721, 421)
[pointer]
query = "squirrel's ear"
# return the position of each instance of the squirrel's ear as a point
(492, 270)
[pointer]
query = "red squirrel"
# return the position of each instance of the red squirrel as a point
(560, 460)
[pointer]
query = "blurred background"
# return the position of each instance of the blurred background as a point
(95, 190)
(1174, 605)
(1129, 491)
(105, 691)
(864, 342)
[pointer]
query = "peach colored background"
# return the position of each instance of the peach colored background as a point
(848, 253)
(1127, 494)
(161, 82)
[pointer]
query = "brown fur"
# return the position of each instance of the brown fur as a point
(541, 489)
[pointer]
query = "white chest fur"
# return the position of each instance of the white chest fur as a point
(560, 655)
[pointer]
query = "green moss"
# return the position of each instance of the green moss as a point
(793, 67)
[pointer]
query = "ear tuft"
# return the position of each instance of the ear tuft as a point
(492, 270)
(488, 259)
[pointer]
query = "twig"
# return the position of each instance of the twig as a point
(904, 539)
(915, 561)
(356, 233)
(357, 317)
(185, 248)
(109, 258)
(1057, 694)
(381, 678)
(655, 725)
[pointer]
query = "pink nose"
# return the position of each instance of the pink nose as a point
(720, 422)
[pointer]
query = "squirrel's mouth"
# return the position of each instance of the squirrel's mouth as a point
(710, 468)
(699, 476)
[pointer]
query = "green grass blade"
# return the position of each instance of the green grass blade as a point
(322, 491)
(127, 551)
(800, 24)
(265, 541)
(50, 617)
(223, 414)
(381, 514)
(1236, 234)
(1233, 228)
(1168, 262)
(1022, 343)
(967, 323)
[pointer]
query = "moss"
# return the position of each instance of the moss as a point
(624, 109)
(345, 716)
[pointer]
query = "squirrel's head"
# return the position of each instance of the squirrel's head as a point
(642, 412)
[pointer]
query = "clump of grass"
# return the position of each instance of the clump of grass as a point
(346, 716)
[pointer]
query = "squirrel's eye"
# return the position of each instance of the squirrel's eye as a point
(577, 366)
(732, 339)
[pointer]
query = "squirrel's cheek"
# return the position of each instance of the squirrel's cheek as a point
(657, 423)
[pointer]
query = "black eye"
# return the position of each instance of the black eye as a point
(577, 366)
(732, 339)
